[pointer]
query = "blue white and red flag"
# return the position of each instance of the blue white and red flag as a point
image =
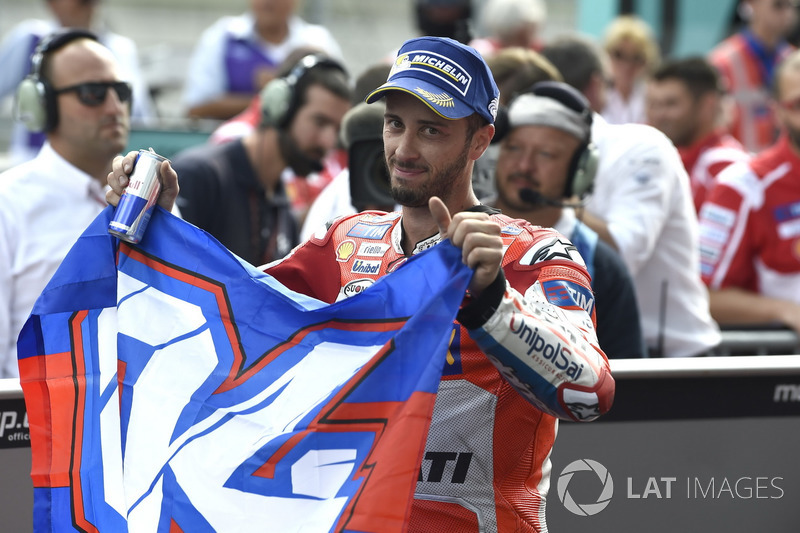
(172, 387)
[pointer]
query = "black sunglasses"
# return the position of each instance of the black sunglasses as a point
(94, 93)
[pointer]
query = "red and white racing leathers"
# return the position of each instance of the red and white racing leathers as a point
(523, 353)
(750, 226)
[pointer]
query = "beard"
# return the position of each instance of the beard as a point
(683, 137)
(299, 161)
(439, 183)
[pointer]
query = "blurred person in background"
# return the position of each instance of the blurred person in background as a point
(508, 23)
(581, 64)
(441, 18)
(301, 190)
(243, 123)
(633, 53)
(684, 101)
(515, 70)
(235, 190)
(20, 42)
(444, 18)
(364, 183)
(47, 203)
(546, 166)
(642, 206)
(238, 55)
(750, 224)
(747, 60)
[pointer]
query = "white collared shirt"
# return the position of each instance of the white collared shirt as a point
(642, 193)
(620, 111)
(45, 205)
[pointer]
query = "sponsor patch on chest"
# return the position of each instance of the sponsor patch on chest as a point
(345, 250)
(362, 266)
(369, 231)
(354, 287)
(372, 249)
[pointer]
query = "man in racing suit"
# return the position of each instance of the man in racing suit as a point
(524, 352)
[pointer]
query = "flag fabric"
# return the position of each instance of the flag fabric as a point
(172, 387)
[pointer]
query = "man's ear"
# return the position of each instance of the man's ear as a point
(481, 140)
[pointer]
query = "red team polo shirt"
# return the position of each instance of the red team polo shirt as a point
(705, 159)
(750, 226)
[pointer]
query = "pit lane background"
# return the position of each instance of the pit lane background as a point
(690, 445)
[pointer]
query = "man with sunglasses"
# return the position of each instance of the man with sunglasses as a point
(750, 224)
(46, 203)
(20, 41)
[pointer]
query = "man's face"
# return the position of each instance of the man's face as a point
(775, 17)
(426, 154)
(85, 131)
(73, 13)
(533, 157)
(269, 13)
(627, 64)
(314, 129)
(672, 109)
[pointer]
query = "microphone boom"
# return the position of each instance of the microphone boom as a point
(536, 198)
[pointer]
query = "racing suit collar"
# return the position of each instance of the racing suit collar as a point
(428, 242)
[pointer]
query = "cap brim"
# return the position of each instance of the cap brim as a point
(442, 103)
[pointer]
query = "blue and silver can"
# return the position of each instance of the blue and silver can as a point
(138, 199)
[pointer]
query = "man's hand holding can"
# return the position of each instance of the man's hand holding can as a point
(118, 179)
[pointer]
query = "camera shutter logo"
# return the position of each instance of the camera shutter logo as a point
(585, 509)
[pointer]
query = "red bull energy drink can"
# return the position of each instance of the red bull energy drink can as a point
(140, 196)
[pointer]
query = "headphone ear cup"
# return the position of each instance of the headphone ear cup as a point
(31, 104)
(501, 125)
(585, 172)
(276, 99)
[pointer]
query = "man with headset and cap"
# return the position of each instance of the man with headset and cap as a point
(523, 354)
(235, 191)
(545, 168)
(75, 95)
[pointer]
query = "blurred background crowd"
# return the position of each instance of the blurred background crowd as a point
(166, 33)
(703, 73)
